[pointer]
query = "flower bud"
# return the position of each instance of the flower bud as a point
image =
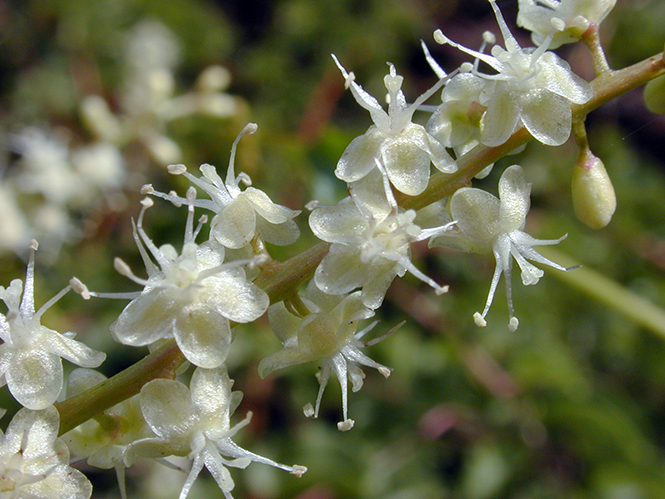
(593, 194)
(654, 95)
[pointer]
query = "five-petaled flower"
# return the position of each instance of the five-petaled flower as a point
(404, 149)
(328, 335)
(533, 87)
(197, 424)
(34, 463)
(191, 297)
(486, 224)
(31, 355)
(240, 215)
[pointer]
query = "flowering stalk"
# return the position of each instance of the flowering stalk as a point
(609, 85)
(281, 280)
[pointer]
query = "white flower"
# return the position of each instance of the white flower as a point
(533, 87)
(404, 149)
(191, 297)
(104, 439)
(31, 355)
(576, 15)
(328, 335)
(46, 168)
(240, 215)
(197, 424)
(371, 240)
(487, 224)
(14, 231)
(34, 463)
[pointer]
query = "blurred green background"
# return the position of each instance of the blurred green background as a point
(570, 405)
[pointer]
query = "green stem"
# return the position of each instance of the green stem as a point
(607, 291)
(281, 280)
(161, 363)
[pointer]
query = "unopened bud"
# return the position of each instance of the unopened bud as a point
(593, 194)
(213, 79)
(654, 95)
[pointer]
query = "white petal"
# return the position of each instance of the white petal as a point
(358, 158)
(500, 119)
(370, 193)
(235, 225)
(477, 215)
(61, 482)
(375, 288)
(211, 395)
(71, 350)
(81, 379)
(151, 448)
(547, 116)
(280, 234)
(407, 163)
(167, 408)
(41, 431)
(341, 270)
(35, 378)
(283, 323)
(279, 360)
(273, 213)
(342, 223)
(203, 335)
(235, 298)
(514, 192)
(557, 77)
(146, 319)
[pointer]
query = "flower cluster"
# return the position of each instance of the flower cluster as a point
(192, 298)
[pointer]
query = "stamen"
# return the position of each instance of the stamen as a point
(493, 62)
(123, 269)
(508, 38)
(52, 301)
(438, 70)
(231, 182)
(79, 288)
(439, 290)
(27, 307)
(176, 169)
(157, 255)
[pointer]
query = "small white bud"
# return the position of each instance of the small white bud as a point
(147, 189)
(654, 95)
(466, 67)
(594, 199)
(147, 202)
(213, 79)
(489, 37)
(385, 371)
(312, 205)
(33, 244)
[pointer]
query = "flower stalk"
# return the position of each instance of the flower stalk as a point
(280, 280)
